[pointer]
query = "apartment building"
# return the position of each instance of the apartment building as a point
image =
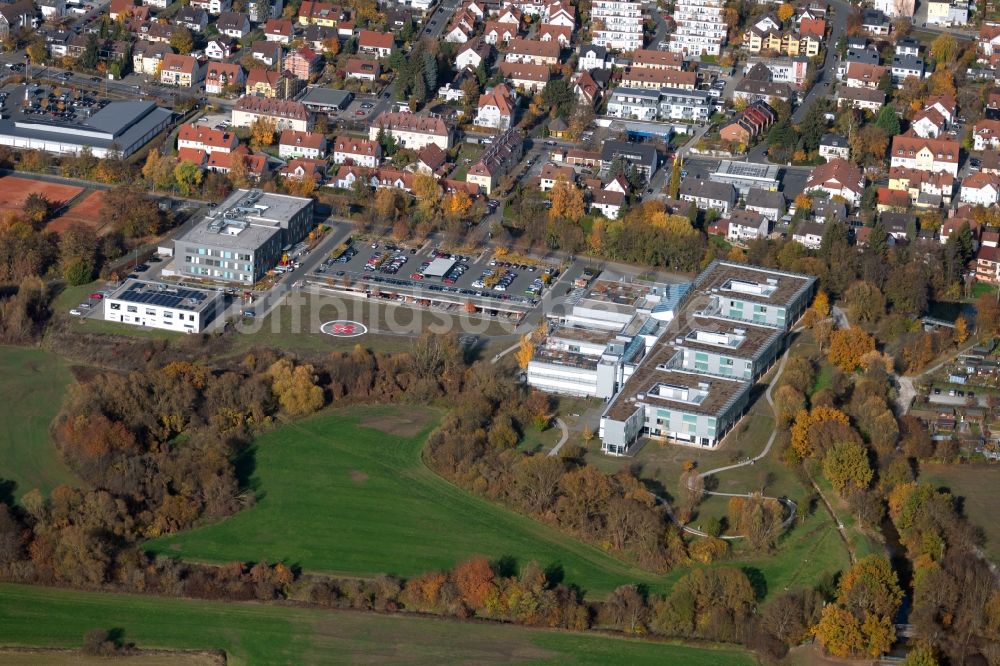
(620, 24)
(412, 130)
(701, 29)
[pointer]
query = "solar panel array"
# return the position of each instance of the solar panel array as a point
(167, 297)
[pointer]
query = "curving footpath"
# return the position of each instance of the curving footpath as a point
(562, 440)
(788, 503)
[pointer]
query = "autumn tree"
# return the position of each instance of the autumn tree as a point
(428, 195)
(181, 40)
(846, 467)
(475, 581)
(821, 304)
(944, 48)
(262, 133)
(386, 203)
(847, 346)
(36, 209)
(567, 202)
(457, 205)
(788, 401)
(868, 145)
(804, 442)
(295, 387)
(525, 351)
(674, 187)
(786, 12)
(961, 330)
(188, 176)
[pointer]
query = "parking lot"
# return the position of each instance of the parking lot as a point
(434, 274)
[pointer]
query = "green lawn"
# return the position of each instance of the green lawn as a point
(338, 497)
(32, 384)
(976, 485)
(270, 634)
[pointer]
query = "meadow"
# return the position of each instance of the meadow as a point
(32, 385)
(346, 492)
(976, 487)
(253, 633)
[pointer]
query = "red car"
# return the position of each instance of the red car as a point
(96, 297)
(416, 276)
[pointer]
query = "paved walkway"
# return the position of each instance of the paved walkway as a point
(505, 352)
(562, 440)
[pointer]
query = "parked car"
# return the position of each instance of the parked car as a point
(76, 313)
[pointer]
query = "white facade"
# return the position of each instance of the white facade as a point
(701, 29)
(247, 118)
(163, 306)
(622, 24)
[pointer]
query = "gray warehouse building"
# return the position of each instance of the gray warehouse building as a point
(242, 239)
(30, 121)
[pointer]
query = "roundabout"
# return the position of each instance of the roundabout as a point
(343, 328)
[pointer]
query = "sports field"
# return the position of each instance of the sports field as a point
(14, 191)
(253, 633)
(86, 211)
(976, 487)
(32, 384)
(347, 492)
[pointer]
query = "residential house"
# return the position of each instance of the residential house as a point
(321, 13)
(585, 88)
(943, 104)
(233, 24)
(223, 77)
(498, 32)
(905, 67)
(319, 37)
(833, 146)
(548, 32)
(525, 76)
(278, 30)
(749, 123)
(899, 224)
(147, 57)
(928, 124)
(269, 53)
(895, 8)
(263, 82)
(864, 76)
(510, 15)
(192, 18)
(592, 57)
(498, 159)
(206, 139)
(988, 264)
(989, 39)
(301, 168)
(160, 33)
(301, 144)
(286, 114)
(654, 79)
(51, 9)
(923, 185)
(864, 99)
(255, 165)
(412, 130)
(634, 104)
(792, 71)
(304, 63)
(261, 11)
(709, 195)
(472, 54)
(220, 48)
(431, 160)
(981, 189)
(875, 23)
(747, 225)
(641, 156)
(608, 202)
(180, 70)
(360, 152)
(378, 44)
(813, 27)
(496, 108)
(552, 174)
(838, 177)
(770, 204)
(15, 16)
(986, 134)
(561, 14)
(119, 9)
(531, 51)
(213, 7)
(657, 59)
(362, 69)
(914, 152)
(809, 233)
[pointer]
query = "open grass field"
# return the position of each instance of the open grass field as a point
(270, 634)
(977, 486)
(294, 325)
(32, 384)
(346, 492)
(15, 191)
(11, 657)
